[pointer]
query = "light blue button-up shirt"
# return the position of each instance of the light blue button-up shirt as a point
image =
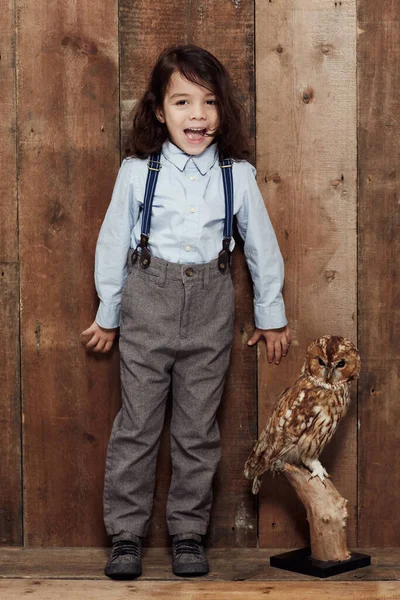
(187, 224)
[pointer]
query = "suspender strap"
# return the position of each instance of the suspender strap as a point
(226, 166)
(224, 257)
(154, 167)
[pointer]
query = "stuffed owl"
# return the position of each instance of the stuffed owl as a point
(307, 414)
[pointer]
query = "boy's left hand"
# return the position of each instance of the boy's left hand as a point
(277, 340)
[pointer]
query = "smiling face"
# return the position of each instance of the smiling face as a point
(190, 113)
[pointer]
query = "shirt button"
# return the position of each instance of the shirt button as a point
(192, 178)
(192, 210)
(187, 248)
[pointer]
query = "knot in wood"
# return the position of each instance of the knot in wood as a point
(85, 46)
(326, 519)
(330, 275)
(326, 48)
(308, 95)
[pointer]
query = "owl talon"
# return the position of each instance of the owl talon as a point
(317, 470)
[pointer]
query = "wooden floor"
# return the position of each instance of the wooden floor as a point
(245, 574)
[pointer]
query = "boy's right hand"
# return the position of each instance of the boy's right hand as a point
(97, 338)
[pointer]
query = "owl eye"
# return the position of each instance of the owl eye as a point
(321, 362)
(341, 364)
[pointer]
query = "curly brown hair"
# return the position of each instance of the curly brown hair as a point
(201, 67)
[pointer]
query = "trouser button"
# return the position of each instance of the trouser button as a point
(189, 272)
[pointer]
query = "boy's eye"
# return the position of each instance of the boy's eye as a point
(181, 102)
(212, 102)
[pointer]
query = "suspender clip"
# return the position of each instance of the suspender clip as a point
(145, 256)
(224, 257)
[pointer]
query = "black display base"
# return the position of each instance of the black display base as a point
(300, 561)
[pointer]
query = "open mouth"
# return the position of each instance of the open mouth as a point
(195, 134)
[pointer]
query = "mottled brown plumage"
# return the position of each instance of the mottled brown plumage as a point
(306, 415)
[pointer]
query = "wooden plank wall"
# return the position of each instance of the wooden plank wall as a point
(378, 275)
(10, 411)
(77, 73)
(307, 171)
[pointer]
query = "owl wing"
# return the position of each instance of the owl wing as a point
(308, 425)
(281, 433)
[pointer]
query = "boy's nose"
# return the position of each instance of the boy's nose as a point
(198, 112)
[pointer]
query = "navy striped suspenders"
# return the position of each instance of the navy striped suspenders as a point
(225, 255)
(154, 167)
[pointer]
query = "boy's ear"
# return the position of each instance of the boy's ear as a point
(160, 115)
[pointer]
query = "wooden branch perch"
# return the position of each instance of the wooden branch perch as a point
(326, 514)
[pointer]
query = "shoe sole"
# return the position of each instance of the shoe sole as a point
(190, 570)
(122, 574)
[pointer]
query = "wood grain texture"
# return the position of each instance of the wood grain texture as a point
(145, 29)
(306, 161)
(10, 410)
(379, 267)
(68, 159)
(226, 564)
(8, 161)
(15, 589)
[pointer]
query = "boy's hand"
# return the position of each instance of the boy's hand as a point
(97, 338)
(277, 340)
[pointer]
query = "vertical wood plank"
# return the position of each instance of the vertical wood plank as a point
(10, 419)
(306, 160)
(144, 31)
(68, 160)
(379, 267)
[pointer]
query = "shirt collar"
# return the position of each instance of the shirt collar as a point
(177, 157)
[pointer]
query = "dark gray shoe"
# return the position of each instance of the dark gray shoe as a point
(125, 560)
(188, 556)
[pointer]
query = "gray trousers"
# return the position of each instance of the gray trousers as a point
(176, 329)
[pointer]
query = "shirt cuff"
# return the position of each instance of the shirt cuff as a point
(271, 317)
(108, 315)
